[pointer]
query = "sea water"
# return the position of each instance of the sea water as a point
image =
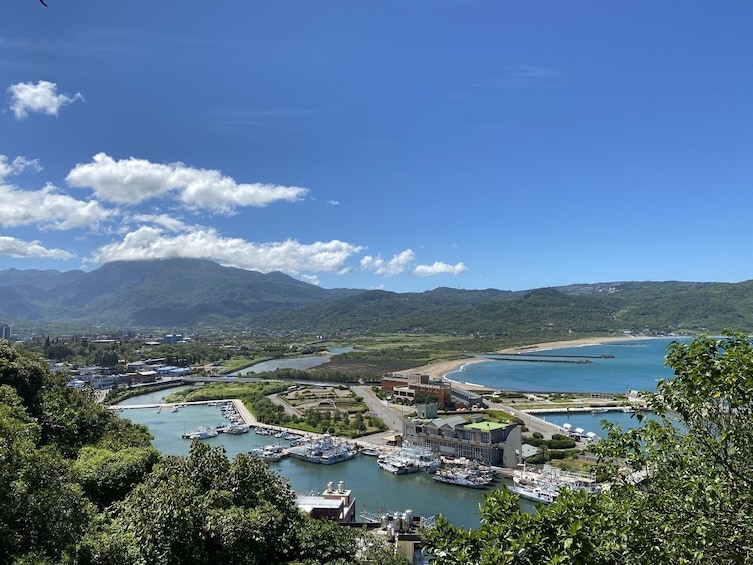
(636, 364)
(618, 366)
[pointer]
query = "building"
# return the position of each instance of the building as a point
(336, 505)
(406, 386)
(5, 332)
(490, 443)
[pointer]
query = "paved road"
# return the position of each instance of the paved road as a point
(390, 416)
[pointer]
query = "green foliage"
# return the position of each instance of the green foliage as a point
(204, 509)
(695, 499)
(107, 476)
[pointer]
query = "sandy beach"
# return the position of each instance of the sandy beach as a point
(441, 368)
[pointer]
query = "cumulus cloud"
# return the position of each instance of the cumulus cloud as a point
(292, 257)
(439, 268)
(42, 97)
(131, 181)
(48, 209)
(22, 249)
(17, 166)
(398, 264)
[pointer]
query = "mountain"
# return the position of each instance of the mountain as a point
(161, 293)
(191, 293)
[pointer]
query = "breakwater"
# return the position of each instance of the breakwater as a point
(523, 360)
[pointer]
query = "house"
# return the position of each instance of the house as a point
(490, 443)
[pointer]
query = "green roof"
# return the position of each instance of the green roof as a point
(486, 426)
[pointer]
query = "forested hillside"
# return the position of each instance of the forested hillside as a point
(189, 294)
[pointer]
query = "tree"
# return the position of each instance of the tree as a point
(693, 504)
(205, 509)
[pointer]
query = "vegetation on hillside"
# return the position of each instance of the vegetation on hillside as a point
(197, 294)
(80, 485)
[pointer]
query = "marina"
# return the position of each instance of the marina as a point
(424, 493)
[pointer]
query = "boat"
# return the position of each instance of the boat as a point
(370, 451)
(324, 450)
(268, 453)
(397, 466)
(543, 494)
(201, 433)
(599, 410)
(236, 429)
(545, 484)
(471, 477)
(409, 459)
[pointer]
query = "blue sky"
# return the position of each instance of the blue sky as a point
(403, 145)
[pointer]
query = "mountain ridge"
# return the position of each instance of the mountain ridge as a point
(194, 292)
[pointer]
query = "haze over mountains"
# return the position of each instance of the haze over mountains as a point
(191, 293)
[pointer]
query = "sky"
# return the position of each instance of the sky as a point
(394, 144)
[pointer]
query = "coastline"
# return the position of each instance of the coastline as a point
(441, 369)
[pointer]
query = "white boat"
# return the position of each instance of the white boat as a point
(544, 484)
(471, 477)
(397, 466)
(201, 433)
(325, 451)
(268, 452)
(546, 495)
(409, 459)
(370, 451)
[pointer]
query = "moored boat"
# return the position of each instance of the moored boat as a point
(464, 477)
(325, 451)
(544, 484)
(200, 433)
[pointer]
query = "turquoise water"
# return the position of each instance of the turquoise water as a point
(636, 365)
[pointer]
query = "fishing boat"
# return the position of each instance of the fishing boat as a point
(396, 465)
(464, 476)
(201, 433)
(409, 459)
(324, 450)
(545, 494)
(271, 453)
(544, 484)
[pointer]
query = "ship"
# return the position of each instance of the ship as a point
(324, 450)
(410, 459)
(200, 433)
(545, 484)
(471, 477)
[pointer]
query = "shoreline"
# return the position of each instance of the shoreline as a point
(441, 369)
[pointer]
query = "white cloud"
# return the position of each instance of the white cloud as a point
(292, 257)
(18, 165)
(162, 220)
(131, 181)
(42, 97)
(48, 209)
(311, 279)
(398, 264)
(20, 249)
(439, 268)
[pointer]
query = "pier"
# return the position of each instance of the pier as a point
(520, 360)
